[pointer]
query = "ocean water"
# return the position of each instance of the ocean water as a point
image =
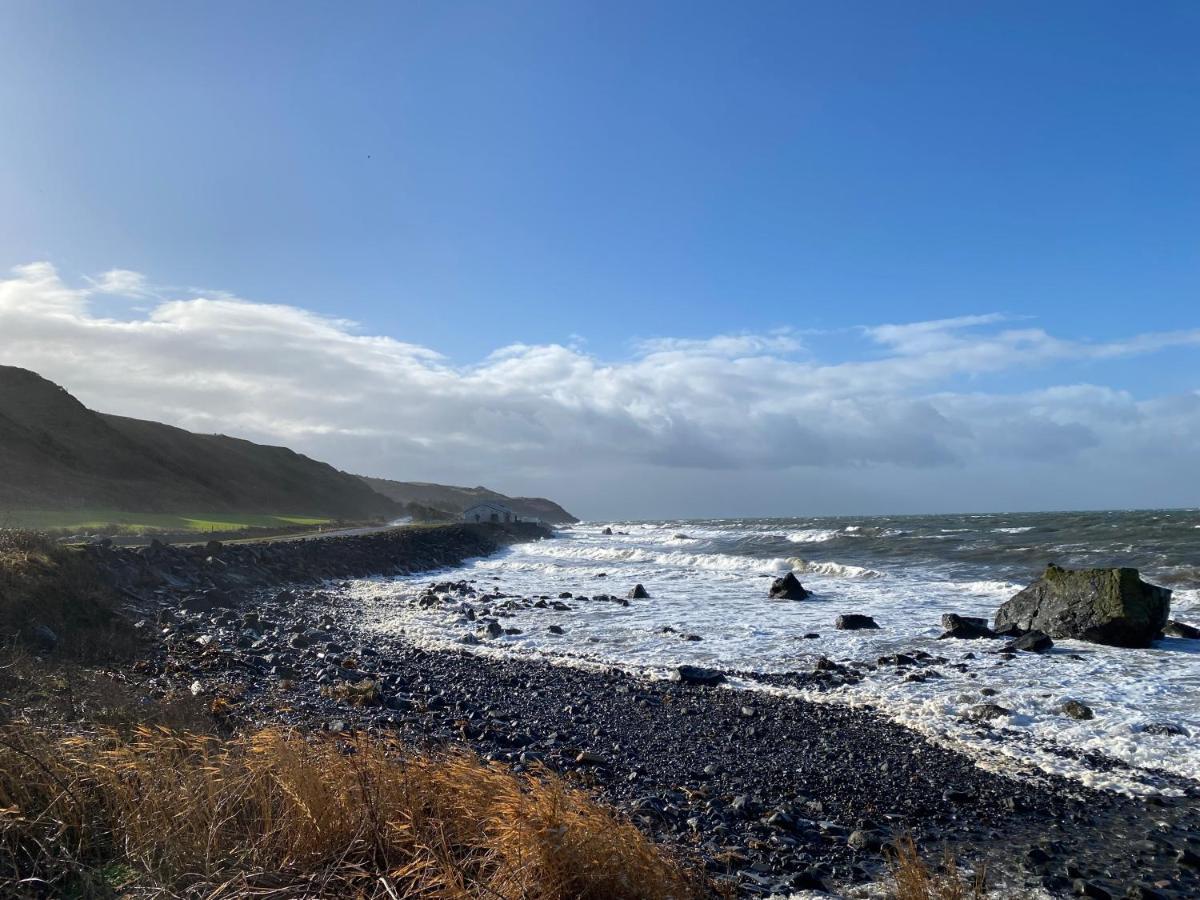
(710, 578)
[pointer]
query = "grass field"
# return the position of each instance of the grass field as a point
(90, 519)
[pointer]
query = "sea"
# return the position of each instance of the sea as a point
(709, 578)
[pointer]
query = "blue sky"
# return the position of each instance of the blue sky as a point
(468, 176)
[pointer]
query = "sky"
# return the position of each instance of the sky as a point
(650, 259)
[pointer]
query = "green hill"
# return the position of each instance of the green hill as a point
(453, 500)
(56, 454)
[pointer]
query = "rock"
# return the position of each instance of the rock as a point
(1169, 729)
(607, 531)
(43, 638)
(985, 712)
(197, 603)
(854, 622)
(1033, 642)
(788, 588)
(555, 629)
(965, 627)
(494, 629)
(698, 675)
(1094, 890)
(1077, 710)
(587, 758)
(1179, 629)
(864, 840)
(213, 548)
(468, 639)
(638, 593)
(1104, 606)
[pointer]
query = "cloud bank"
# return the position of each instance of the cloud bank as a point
(756, 409)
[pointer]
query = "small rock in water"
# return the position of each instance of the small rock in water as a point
(1033, 641)
(985, 712)
(1181, 629)
(639, 593)
(1077, 710)
(788, 588)
(854, 622)
(555, 629)
(607, 531)
(965, 627)
(1164, 728)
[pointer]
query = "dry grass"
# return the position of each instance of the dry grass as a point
(356, 693)
(279, 815)
(913, 879)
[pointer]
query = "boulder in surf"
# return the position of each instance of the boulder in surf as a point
(788, 588)
(1103, 606)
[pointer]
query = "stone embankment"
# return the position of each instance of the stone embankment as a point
(231, 568)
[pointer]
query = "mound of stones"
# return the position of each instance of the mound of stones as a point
(1103, 606)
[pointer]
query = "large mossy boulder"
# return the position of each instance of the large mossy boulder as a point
(1104, 606)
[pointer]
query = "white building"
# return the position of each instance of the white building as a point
(488, 512)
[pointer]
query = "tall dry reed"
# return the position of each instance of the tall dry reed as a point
(277, 814)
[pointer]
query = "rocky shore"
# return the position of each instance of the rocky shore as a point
(772, 793)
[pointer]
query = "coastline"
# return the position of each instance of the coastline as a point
(773, 793)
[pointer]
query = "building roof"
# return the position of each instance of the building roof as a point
(488, 504)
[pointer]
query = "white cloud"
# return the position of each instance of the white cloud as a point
(120, 282)
(741, 402)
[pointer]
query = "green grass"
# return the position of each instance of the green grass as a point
(90, 519)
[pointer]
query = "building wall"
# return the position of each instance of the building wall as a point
(482, 513)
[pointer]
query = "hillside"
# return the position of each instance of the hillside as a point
(55, 453)
(454, 500)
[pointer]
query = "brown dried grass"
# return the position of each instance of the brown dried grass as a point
(913, 879)
(277, 814)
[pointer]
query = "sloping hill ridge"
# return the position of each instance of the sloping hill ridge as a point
(454, 500)
(55, 453)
